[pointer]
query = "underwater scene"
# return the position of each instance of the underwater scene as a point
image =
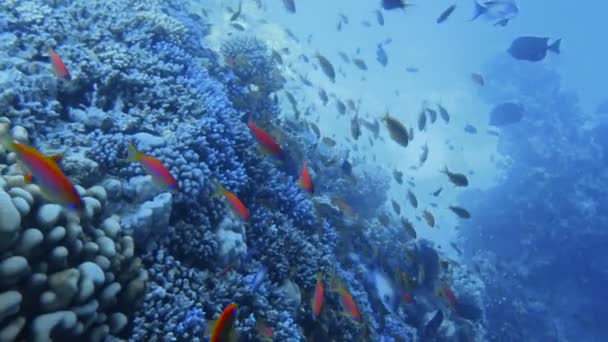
(303, 170)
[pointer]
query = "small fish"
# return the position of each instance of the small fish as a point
(398, 176)
(238, 208)
(160, 174)
(381, 55)
(502, 22)
(384, 219)
(533, 49)
(59, 69)
(394, 4)
(340, 106)
(412, 198)
(372, 127)
(460, 212)
(347, 168)
(328, 141)
(408, 298)
(317, 301)
(396, 207)
(446, 14)
(379, 18)
(411, 133)
(448, 294)
(496, 9)
(366, 23)
(443, 113)
(477, 79)
(424, 155)
(238, 26)
(315, 129)
(422, 120)
(429, 218)
(430, 329)
(265, 141)
(224, 325)
(327, 67)
(305, 80)
(396, 130)
(305, 180)
(349, 305)
(54, 184)
(290, 6)
(257, 281)
(276, 56)
(29, 178)
(360, 63)
(351, 105)
(236, 14)
(355, 128)
(457, 179)
(409, 228)
(412, 70)
(344, 208)
(437, 192)
(455, 247)
(470, 129)
(323, 96)
(432, 115)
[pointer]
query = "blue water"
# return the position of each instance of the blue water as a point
(230, 101)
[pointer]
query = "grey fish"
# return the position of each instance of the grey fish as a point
(327, 68)
(381, 56)
(432, 114)
(470, 129)
(355, 128)
(315, 129)
(457, 179)
(496, 10)
(292, 35)
(323, 96)
(398, 176)
(446, 14)
(460, 212)
(422, 120)
(412, 199)
(396, 207)
(394, 4)
(443, 113)
(340, 106)
(372, 127)
(366, 23)
(437, 192)
(276, 56)
(429, 218)
(533, 49)
(290, 6)
(351, 105)
(412, 69)
(236, 14)
(396, 130)
(379, 18)
(329, 141)
(411, 133)
(360, 64)
(424, 155)
(409, 228)
(238, 26)
(344, 57)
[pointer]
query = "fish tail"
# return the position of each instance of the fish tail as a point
(479, 10)
(555, 46)
(133, 154)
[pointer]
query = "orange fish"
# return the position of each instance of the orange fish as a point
(477, 78)
(54, 185)
(305, 181)
(237, 207)
(160, 175)
(224, 324)
(59, 69)
(265, 141)
(317, 301)
(449, 295)
(56, 158)
(349, 305)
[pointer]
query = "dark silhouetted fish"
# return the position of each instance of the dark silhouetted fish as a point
(344, 57)
(444, 113)
(236, 14)
(394, 4)
(355, 127)
(460, 212)
(532, 49)
(290, 6)
(396, 207)
(457, 179)
(437, 192)
(396, 130)
(470, 129)
(381, 56)
(398, 176)
(506, 113)
(412, 70)
(430, 329)
(432, 114)
(323, 96)
(412, 199)
(276, 56)
(446, 14)
(360, 63)
(422, 120)
(341, 107)
(238, 26)
(379, 18)
(327, 68)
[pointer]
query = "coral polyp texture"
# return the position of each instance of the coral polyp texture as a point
(63, 277)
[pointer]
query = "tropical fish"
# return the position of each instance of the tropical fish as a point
(446, 292)
(348, 304)
(265, 332)
(224, 326)
(160, 174)
(396, 130)
(237, 207)
(55, 186)
(55, 157)
(360, 63)
(305, 180)
(265, 141)
(533, 49)
(290, 6)
(477, 78)
(460, 212)
(457, 179)
(327, 67)
(394, 4)
(412, 198)
(59, 69)
(328, 141)
(317, 300)
(429, 218)
(446, 14)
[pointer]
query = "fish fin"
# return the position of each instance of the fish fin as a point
(479, 10)
(133, 154)
(555, 46)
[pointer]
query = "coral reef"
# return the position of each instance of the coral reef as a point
(62, 276)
